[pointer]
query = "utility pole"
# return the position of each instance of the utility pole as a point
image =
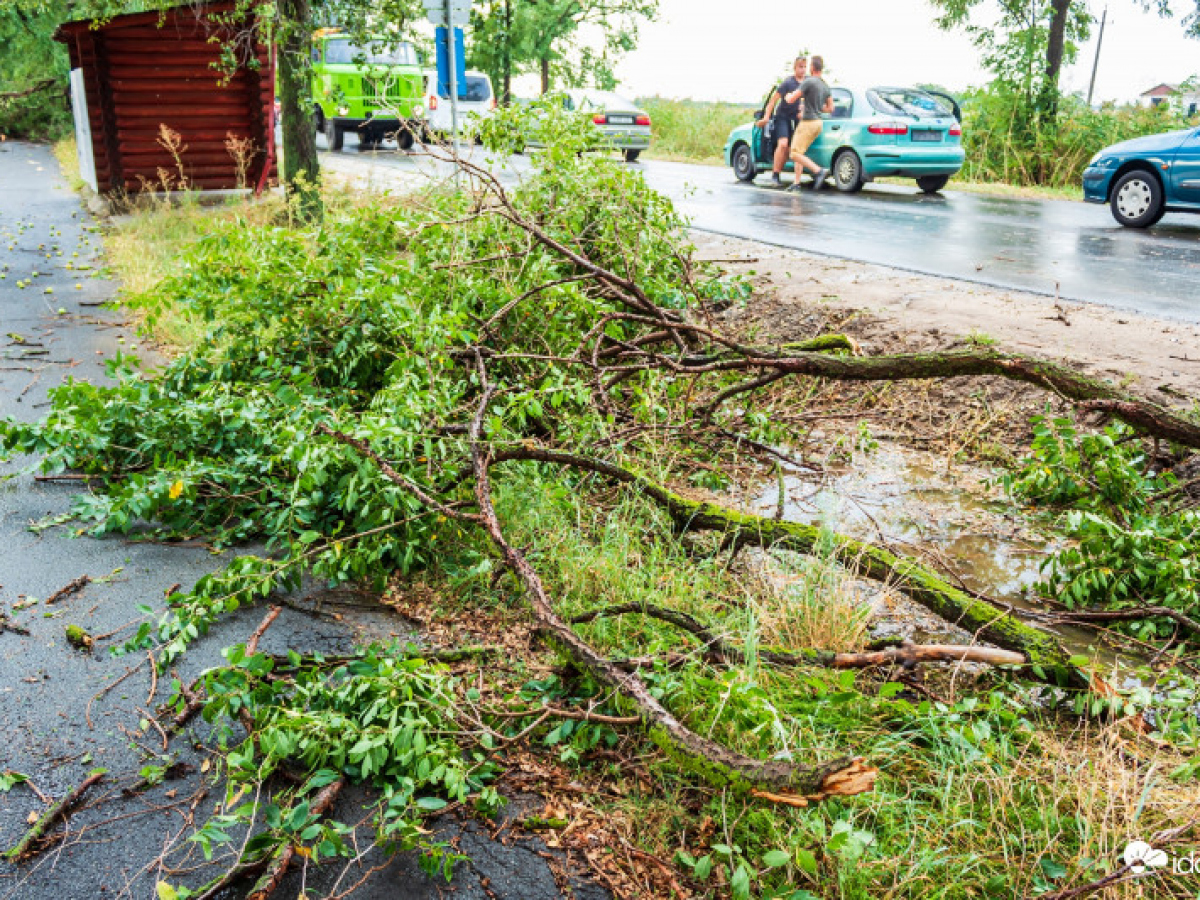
(449, 16)
(1096, 64)
(451, 52)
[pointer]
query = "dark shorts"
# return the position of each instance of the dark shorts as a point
(782, 128)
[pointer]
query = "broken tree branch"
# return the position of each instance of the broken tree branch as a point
(716, 650)
(67, 590)
(1090, 393)
(271, 616)
(52, 815)
(1087, 616)
(37, 87)
(720, 764)
(6, 624)
(278, 866)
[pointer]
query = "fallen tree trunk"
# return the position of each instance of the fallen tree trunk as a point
(1040, 649)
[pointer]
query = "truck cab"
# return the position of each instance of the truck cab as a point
(374, 87)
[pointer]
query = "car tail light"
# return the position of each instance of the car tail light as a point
(600, 119)
(492, 103)
(888, 128)
(956, 130)
(642, 120)
(432, 104)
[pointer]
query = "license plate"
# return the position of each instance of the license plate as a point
(620, 120)
(928, 136)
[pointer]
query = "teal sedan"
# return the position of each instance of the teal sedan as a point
(883, 132)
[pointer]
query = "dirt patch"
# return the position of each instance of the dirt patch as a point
(892, 311)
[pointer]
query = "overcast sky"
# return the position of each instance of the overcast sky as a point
(734, 49)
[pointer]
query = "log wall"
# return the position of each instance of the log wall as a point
(149, 70)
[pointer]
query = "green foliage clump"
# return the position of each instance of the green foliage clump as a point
(34, 70)
(357, 323)
(1130, 547)
(384, 717)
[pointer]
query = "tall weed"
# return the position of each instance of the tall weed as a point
(1006, 142)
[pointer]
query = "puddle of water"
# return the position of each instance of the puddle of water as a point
(910, 499)
(915, 503)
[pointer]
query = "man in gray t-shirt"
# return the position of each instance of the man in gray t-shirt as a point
(817, 100)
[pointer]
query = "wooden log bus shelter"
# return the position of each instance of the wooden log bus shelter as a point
(134, 74)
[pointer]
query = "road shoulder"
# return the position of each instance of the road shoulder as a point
(897, 310)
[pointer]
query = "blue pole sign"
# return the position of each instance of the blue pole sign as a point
(443, 62)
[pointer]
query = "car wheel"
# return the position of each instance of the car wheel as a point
(404, 139)
(931, 184)
(743, 163)
(319, 120)
(334, 134)
(632, 155)
(1137, 199)
(847, 172)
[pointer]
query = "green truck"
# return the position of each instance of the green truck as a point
(374, 88)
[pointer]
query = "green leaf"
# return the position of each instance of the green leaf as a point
(775, 859)
(739, 884)
(431, 803)
(807, 861)
(703, 868)
(8, 779)
(299, 816)
(165, 891)
(1052, 869)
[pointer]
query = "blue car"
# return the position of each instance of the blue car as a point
(1143, 179)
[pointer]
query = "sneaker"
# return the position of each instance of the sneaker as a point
(794, 188)
(819, 179)
(775, 182)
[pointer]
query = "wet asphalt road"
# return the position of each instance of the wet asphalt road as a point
(111, 843)
(1072, 250)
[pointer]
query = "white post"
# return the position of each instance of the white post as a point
(452, 56)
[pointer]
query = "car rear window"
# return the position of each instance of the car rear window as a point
(604, 100)
(908, 102)
(477, 89)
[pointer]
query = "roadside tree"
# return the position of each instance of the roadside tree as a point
(511, 37)
(1027, 46)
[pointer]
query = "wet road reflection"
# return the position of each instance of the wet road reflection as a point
(1056, 247)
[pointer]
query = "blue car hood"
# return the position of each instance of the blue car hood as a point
(1155, 143)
